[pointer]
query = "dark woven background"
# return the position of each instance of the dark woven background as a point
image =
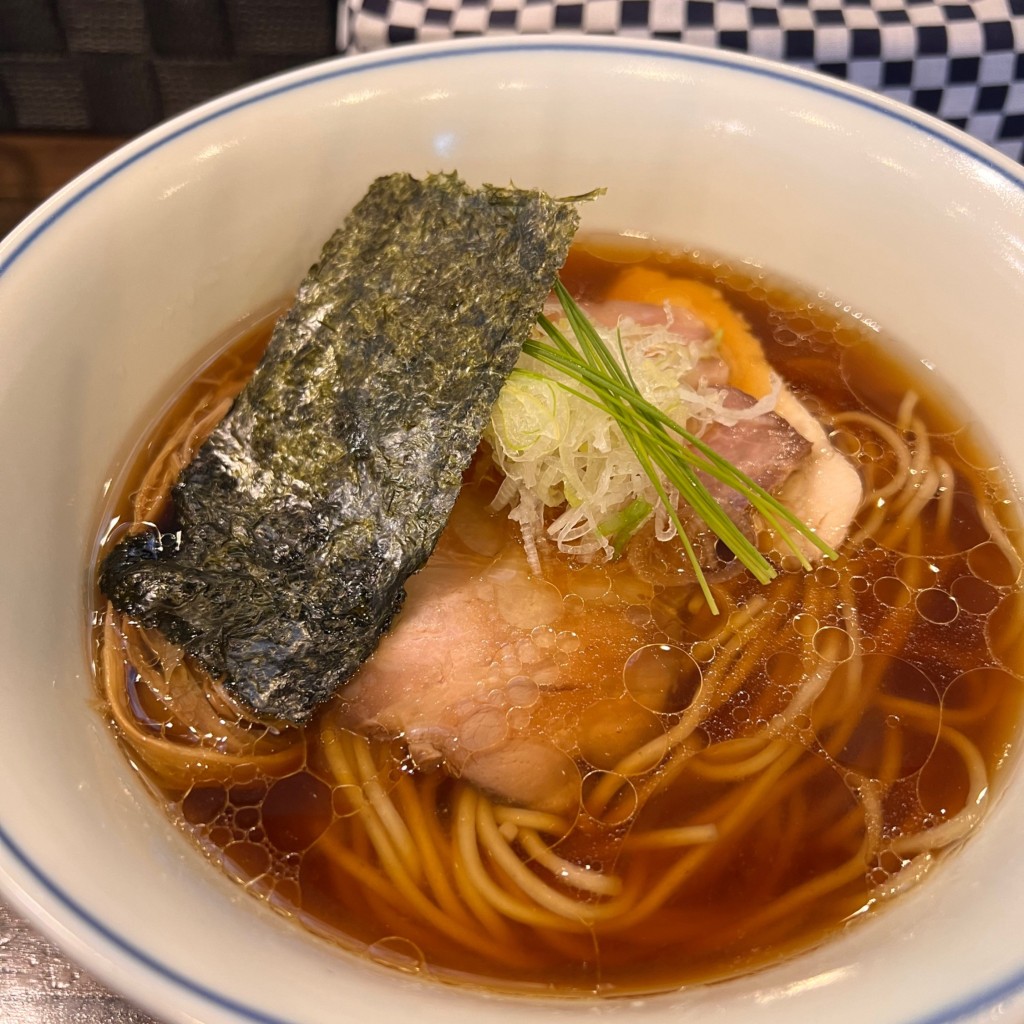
(118, 66)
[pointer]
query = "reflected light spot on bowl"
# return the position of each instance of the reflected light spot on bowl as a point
(215, 150)
(804, 985)
(356, 96)
(444, 143)
(732, 127)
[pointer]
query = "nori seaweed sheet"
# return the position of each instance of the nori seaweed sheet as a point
(331, 478)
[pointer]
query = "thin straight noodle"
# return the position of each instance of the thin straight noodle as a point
(905, 411)
(416, 815)
(916, 480)
(797, 813)
(947, 494)
(911, 874)
(674, 764)
(671, 838)
(594, 882)
(362, 845)
(357, 868)
(734, 750)
(740, 769)
(812, 890)
(810, 698)
(538, 821)
(957, 827)
(868, 679)
(532, 886)
(399, 891)
(850, 823)
(389, 817)
(679, 750)
(791, 819)
(470, 874)
(911, 708)
(177, 765)
(874, 814)
(909, 516)
(891, 759)
(813, 605)
(744, 812)
(155, 487)
(731, 803)
(823, 884)
(637, 760)
(396, 923)
(495, 895)
(871, 524)
(959, 717)
(922, 447)
(745, 650)
(996, 532)
(810, 691)
(404, 891)
(897, 445)
(341, 763)
(846, 718)
(496, 847)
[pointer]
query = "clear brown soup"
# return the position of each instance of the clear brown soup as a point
(830, 733)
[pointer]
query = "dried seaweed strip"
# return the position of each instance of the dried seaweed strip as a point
(332, 476)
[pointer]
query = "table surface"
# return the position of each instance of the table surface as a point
(39, 985)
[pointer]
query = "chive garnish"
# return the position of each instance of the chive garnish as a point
(667, 451)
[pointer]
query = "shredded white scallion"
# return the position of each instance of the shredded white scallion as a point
(559, 452)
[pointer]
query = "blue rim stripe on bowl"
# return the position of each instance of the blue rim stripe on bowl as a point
(346, 67)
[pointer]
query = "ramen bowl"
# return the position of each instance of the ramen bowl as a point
(123, 277)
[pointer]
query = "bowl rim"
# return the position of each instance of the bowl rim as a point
(49, 906)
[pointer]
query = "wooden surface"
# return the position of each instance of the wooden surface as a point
(38, 984)
(33, 167)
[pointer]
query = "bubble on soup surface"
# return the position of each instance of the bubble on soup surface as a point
(662, 678)
(833, 644)
(398, 952)
(296, 811)
(973, 595)
(993, 564)
(936, 605)
(859, 737)
(980, 703)
(613, 728)
(529, 603)
(1005, 629)
(609, 797)
(892, 592)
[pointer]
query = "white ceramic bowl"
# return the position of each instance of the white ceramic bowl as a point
(124, 275)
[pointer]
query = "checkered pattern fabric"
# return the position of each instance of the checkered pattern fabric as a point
(962, 61)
